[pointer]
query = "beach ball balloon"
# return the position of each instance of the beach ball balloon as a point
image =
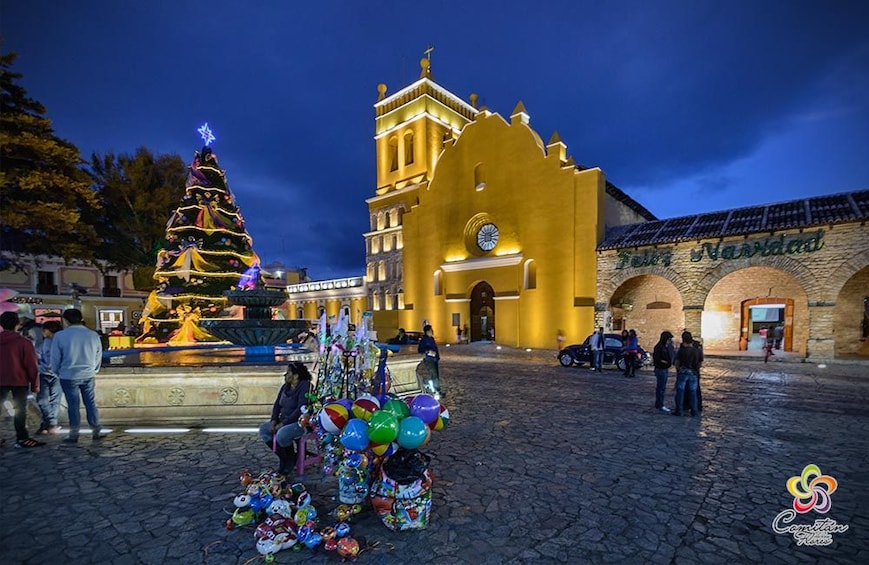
(382, 427)
(384, 449)
(396, 407)
(412, 432)
(333, 417)
(442, 420)
(355, 435)
(365, 406)
(425, 407)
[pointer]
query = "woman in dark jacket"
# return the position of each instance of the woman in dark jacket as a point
(282, 430)
(663, 358)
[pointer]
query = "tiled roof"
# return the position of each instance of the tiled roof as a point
(817, 211)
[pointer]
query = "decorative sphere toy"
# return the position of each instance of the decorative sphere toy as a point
(342, 529)
(348, 547)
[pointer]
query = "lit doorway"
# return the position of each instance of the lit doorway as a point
(482, 312)
(767, 318)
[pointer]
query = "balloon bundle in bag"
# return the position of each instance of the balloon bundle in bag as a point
(353, 479)
(402, 495)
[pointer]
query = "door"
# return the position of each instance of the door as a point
(482, 312)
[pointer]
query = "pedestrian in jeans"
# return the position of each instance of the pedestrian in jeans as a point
(49, 385)
(597, 348)
(18, 375)
(662, 357)
(76, 355)
(688, 361)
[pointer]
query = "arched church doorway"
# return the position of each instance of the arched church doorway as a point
(482, 312)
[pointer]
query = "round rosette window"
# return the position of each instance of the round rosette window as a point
(481, 234)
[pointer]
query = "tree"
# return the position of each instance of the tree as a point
(208, 251)
(137, 194)
(43, 193)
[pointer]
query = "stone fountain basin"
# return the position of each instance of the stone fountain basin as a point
(255, 332)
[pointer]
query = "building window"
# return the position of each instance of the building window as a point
(375, 245)
(375, 300)
(370, 274)
(399, 241)
(45, 283)
(387, 300)
(530, 275)
(394, 219)
(400, 299)
(408, 148)
(381, 220)
(387, 243)
(438, 282)
(393, 154)
(110, 286)
(300, 313)
(110, 319)
(381, 271)
(479, 177)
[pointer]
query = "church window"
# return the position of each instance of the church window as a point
(387, 300)
(300, 313)
(438, 282)
(375, 245)
(370, 274)
(479, 177)
(530, 275)
(393, 154)
(408, 148)
(381, 220)
(381, 271)
(400, 299)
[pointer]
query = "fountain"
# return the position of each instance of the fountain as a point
(257, 332)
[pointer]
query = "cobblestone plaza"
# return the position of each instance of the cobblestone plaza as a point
(540, 464)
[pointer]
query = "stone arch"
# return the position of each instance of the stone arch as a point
(837, 278)
(800, 272)
(606, 288)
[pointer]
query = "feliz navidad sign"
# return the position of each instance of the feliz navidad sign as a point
(794, 244)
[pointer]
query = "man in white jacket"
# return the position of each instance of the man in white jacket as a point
(76, 355)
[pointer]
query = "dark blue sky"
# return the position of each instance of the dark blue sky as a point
(688, 106)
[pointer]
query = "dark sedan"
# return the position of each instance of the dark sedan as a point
(579, 354)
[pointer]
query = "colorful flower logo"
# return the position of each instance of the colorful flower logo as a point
(811, 490)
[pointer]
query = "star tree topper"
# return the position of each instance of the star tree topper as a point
(206, 134)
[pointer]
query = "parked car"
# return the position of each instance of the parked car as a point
(580, 354)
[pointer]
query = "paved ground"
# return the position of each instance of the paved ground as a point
(540, 464)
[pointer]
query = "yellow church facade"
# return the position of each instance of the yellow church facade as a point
(477, 223)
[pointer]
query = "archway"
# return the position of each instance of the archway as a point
(751, 299)
(482, 312)
(648, 304)
(851, 316)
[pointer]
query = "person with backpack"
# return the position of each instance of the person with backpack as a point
(663, 357)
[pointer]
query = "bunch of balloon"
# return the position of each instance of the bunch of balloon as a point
(370, 429)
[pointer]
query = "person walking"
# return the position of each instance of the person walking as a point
(76, 355)
(283, 428)
(430, 361)
(19, 375)
(597, 343)
(663, 357)
(688, 361)
(49, 385)
(629, 352)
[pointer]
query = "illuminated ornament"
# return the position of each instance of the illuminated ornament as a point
(206, 134)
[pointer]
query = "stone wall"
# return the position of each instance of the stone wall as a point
(713, 276)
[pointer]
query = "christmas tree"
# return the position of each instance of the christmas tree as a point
(207, 252)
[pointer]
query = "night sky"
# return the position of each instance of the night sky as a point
(688, 106)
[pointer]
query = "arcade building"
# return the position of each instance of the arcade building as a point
(477, 223)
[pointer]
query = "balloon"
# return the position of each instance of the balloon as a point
(441, 421)
(348, 547)
(383, 427)
(355, 435)
(333, 417)
(384, 449)
(342, 529)
(346, 403)
(365, 406)
(397, 408)
(412, 432)
(314, 539)
(426, 408)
